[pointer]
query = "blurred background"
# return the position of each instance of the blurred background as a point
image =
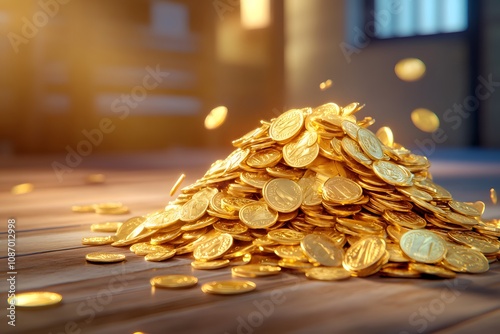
(142, 75)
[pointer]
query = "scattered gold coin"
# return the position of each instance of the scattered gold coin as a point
(327, 273)
(97, 241)
(173, 281)
(105, 227)
(101, 257)
(228, 287)
(215, 118)
(35, 299)
(83, 208)
(209, 265)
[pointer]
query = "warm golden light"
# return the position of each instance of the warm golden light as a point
(216, 118)
(410, 69)
(325, 84)
(255, 14)
(425, 120)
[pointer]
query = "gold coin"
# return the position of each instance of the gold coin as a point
(105, 227)
(364, 253)
(83, 208)
(327, 273)
(173, 281)
(294, 264)
(285, 236)
(464, 208)
(255, 270)
(341, 190)
(111, 209)
(291, 252)
(385, 135)
(476, 241)
(302, 150)
(406, 219)
(228, 287)
(34, 299)
(160, 255)
(282, 195)
(321, 249)
(396, 253)
(97, 241)
(177, 184)
(144, 248)
(194, 209)
(391, 173)
(370, 144)
(216, 117)
(425, 120)
(287, 125)
(465, 259)
(213, 248)
(325, 84)
(128, 226)
(102, 257)
(428, 269)
(258, 215)
(493, 196)
(423, 246)
(353, 150)
(268, 157)
(209, 265)
(351, 108)
(22, 188)
(399, 271)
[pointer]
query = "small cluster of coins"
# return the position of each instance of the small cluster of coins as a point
(315, 190)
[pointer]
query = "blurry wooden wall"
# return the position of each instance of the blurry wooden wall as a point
(132, 75)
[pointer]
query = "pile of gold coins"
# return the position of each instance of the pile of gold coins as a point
(314, 190)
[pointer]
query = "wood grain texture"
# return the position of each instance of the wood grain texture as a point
(117, 298)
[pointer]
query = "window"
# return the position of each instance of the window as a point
(405, 18)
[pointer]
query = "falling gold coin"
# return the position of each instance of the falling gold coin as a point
(22, 188)
(216, 117)
(325, 84)
(425, 120)
(101, 257)
(35, 299)
(228, 287)
(174, 281)
(385, 135)
(410, 69)
(177, 184)
(493, 196)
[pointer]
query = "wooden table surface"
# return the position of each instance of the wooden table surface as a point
(117, 298)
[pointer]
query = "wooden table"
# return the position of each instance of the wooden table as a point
(117, 298)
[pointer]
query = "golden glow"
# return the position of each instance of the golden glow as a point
(255, 14)
(425, 120)
(410, 69)
(325, 84)
(22, 188)
(215, 118)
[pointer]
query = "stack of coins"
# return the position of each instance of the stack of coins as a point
(316, 190)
